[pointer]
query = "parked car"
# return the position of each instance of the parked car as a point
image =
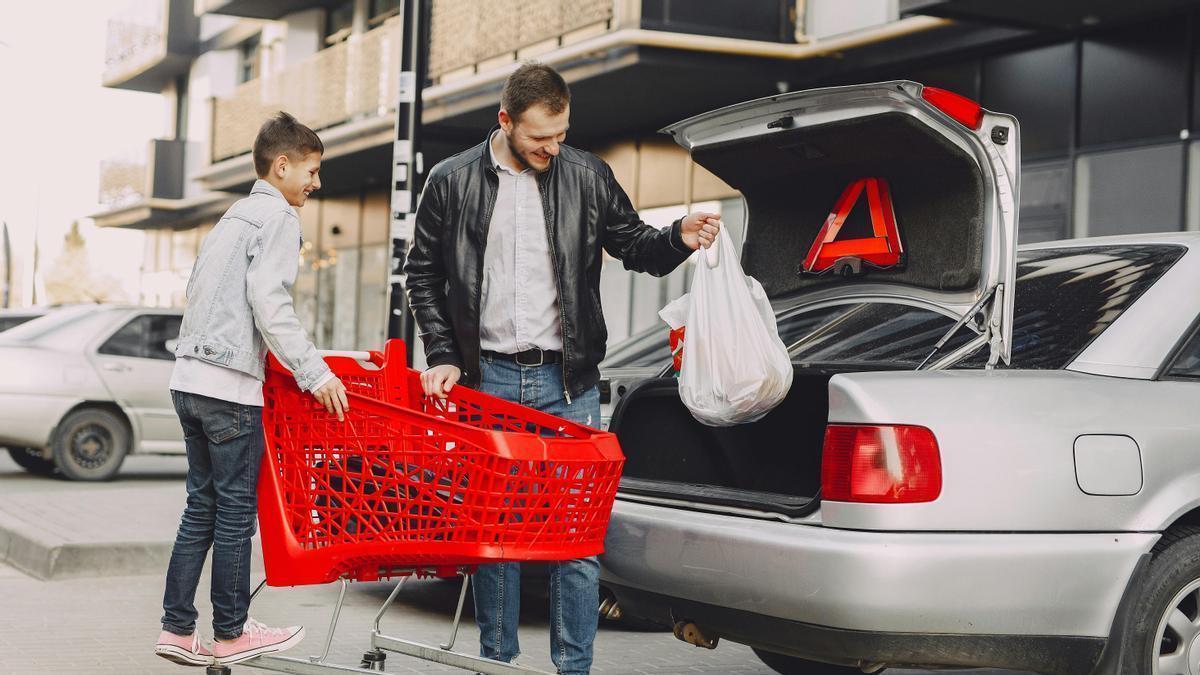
(85, 386)
(986, 459)
(11, 318)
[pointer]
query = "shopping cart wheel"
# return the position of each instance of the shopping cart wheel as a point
(217, 670)
(373, 660)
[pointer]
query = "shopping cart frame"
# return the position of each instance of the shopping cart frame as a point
(380, 644)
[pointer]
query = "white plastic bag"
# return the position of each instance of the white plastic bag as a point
(735, 368)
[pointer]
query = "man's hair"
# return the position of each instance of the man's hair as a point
(531, 84)
(283, 135)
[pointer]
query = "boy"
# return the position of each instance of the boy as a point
(239, 305)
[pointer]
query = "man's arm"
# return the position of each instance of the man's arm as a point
(269, 279)
(641, 247)
(426, 282)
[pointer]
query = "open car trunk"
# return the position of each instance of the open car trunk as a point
(952, 194)
(771, 465)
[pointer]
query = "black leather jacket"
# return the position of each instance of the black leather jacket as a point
(585, 209)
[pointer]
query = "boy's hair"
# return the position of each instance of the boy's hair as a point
(283, 135)
(533, 83)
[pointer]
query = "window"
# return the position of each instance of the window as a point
(144, 337)
(1129, 191)
(381, 10)
(338, 23)
(249, 57)
(1066, 297)
(875, 333)
(1187, 362)
(1045, 110)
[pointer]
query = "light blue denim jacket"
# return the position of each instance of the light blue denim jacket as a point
(239, 297)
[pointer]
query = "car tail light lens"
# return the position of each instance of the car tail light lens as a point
(965, 111)
(887, 464)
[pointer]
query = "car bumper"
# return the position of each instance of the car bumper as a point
(28, 420)
(982, 584)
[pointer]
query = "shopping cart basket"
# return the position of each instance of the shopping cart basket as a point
(409, 485)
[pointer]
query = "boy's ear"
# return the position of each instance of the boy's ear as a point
(279, 166)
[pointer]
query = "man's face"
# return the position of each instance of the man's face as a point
(300, 178)
(534, 138)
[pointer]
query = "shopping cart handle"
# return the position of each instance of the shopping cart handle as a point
(361, 356)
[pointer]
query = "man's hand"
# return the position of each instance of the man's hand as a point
(700, 229)
(439, 380)
(332, 395)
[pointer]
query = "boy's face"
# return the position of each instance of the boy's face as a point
(534, 138)
(297, 178)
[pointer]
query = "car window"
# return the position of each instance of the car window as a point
(7, 322)
(1068, 296)
(1187, 362)
(144, 337)
(876, 333)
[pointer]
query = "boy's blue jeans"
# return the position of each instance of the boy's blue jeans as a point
(224, 448)
(574, 584)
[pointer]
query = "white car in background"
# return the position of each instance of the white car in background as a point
(84, 386)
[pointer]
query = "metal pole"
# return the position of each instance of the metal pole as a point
(407, 168)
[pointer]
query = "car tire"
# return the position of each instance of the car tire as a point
(1171, 584)
(32, 461)
(90, 444)
(792, 665)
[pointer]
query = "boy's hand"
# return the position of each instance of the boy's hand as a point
(332, 395)
(700, 229)
(439, 380)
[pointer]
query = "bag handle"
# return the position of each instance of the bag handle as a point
(712, 254)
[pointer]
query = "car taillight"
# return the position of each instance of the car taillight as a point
(965, 111)
(880, 464)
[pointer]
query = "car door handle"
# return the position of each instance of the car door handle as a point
(115, 367)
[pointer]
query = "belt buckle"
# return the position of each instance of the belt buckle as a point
(541, 359)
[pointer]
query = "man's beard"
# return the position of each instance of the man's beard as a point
(512, 149)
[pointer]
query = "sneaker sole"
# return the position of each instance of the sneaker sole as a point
(181, 656)
(259, 651)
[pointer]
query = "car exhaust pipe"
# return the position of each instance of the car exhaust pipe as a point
(690, 633)
(609, 609)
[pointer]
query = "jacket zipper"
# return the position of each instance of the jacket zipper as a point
(562, 308)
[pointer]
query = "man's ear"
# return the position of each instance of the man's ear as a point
(280, 166)
(506, 122)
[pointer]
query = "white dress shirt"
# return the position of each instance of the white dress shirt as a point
(519, 309)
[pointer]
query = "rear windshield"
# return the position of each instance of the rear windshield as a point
(1068, 296)
(1065, 298)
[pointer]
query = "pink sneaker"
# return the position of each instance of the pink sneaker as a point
(256, 639)
(186, 650)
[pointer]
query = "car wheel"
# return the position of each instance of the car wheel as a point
(1163, 635)
(90, 444)
(792, 665)
(32, 461)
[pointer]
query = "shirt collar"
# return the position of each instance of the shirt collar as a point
(496, 164)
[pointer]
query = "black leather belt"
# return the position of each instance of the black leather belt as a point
(529, 357)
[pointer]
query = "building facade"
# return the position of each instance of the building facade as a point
(1105, 92)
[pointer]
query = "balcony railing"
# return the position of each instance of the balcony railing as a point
(154, 171)
(149, 43)
(355, 79)
(466, 33)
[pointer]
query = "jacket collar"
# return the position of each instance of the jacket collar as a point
(262, 187)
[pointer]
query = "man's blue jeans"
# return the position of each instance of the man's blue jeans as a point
(224, 448)
(574, 584)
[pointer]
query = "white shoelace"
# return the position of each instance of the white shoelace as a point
(262, 630)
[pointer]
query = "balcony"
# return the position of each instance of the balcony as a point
(149, 44)
(355, 81)
(144, 188)
(258, 9)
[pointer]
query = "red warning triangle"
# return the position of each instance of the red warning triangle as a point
(883, 250)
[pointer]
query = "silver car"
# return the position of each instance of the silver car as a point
(84, 386)
(987, 459)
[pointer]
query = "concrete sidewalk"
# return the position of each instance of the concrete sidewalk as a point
(56, 529)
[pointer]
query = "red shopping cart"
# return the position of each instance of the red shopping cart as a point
(409, 485)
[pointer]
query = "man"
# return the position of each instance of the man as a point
(504, 279)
